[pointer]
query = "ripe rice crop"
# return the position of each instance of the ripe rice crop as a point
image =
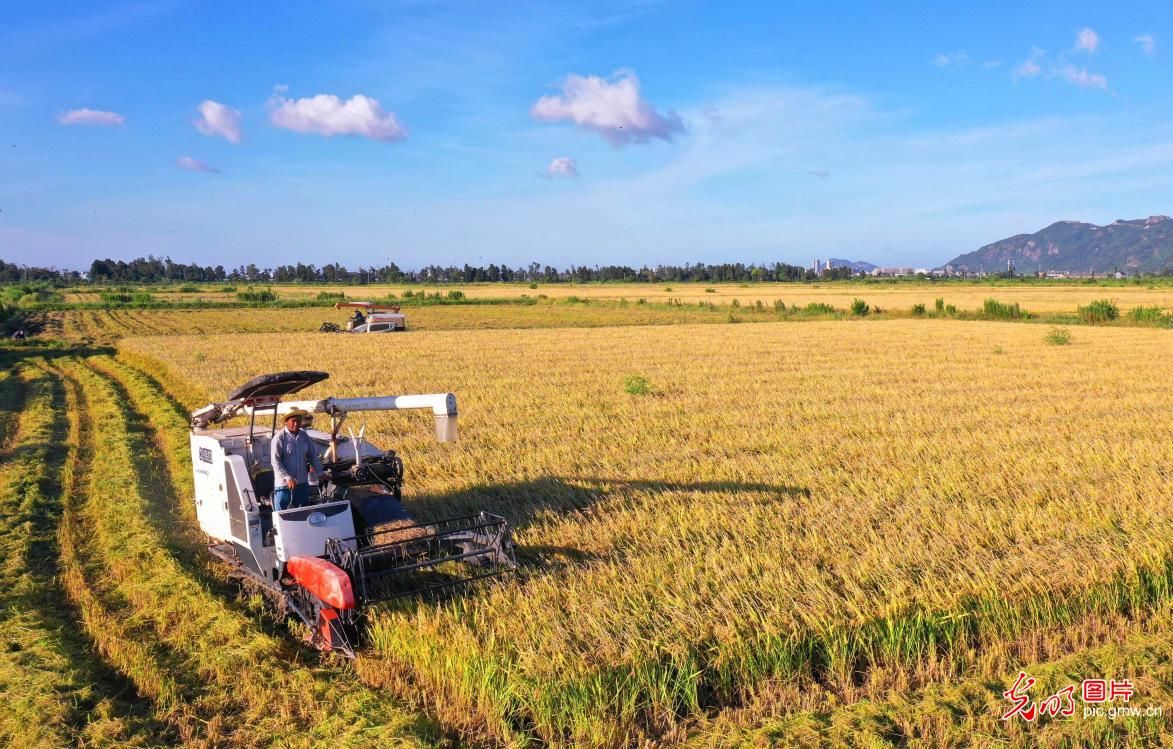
(887, 294)
(102, 325)
(826, 508)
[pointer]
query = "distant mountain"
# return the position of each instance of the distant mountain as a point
(1143, 245)
(857, 266)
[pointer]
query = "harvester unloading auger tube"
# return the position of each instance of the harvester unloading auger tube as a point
(354, 544)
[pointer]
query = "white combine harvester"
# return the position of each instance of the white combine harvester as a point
(355, 544)
(378, 318)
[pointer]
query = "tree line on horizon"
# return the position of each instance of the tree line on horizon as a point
(151, 270)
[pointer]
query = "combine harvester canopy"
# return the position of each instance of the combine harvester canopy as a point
(354, 544)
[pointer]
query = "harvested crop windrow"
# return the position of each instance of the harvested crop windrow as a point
(212, 672)
(54, 692)
(851, 506)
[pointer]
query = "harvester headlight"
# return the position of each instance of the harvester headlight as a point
(316, 519)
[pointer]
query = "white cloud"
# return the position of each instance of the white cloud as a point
(562, 166)
(218, 119)
(327, 115)
(957, 58)
(1148, 44)
(1087, 40)
(91, 117)
(195, 165)
(957, 188)
(992, 64)
(1029, 68)
(1081, 77)
(614, 109)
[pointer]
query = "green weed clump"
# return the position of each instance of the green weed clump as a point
(257, 296)
(31, 295)
(1058, 336)
(126, 297)
(637, 385)
(859, 307)
(331, 296)
(1101, 310)
(819, 308)
(918, 310)
(994, 310)
(1148, 316)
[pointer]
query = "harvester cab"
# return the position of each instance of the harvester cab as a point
(368, 317)
(355, 543)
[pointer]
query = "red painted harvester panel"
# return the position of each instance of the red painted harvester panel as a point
(326, 581)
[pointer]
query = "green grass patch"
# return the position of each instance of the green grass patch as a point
(1099, 311)
(992, 309)
(1058, 336)
(638, 385)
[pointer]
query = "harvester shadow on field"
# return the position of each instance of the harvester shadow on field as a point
(527, 503)
(11, 353)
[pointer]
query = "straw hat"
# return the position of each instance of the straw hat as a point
(296, 413)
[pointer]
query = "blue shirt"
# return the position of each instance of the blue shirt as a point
(292, 454)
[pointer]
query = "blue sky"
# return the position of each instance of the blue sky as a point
(633, 132)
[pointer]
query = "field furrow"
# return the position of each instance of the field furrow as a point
(56, 693)
(252, 682)
(125, 643)
(305, 703)
(11, 404)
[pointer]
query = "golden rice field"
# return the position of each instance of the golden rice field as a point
(597, 305)
(1051, 297)
(105, 324)
(818, 534)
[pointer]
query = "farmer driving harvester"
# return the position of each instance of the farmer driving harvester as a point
(293, 455)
